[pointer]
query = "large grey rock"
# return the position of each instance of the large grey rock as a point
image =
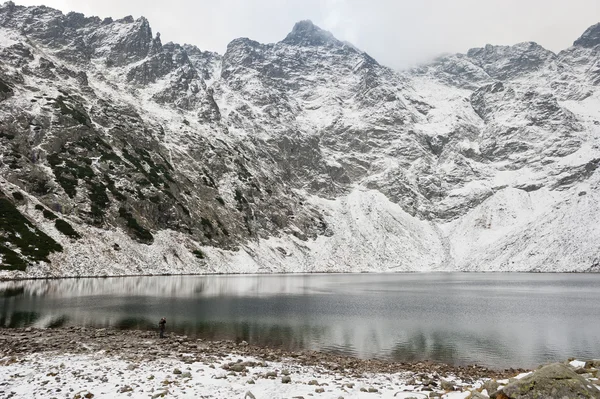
(555, 381)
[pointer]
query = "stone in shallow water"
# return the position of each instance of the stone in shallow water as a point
(551, 381)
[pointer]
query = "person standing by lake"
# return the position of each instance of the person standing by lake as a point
(161, 326)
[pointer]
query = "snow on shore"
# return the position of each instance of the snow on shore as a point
(40, 375)
(87, 363)
(78, 363)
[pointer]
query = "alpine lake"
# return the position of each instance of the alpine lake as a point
(498, 320)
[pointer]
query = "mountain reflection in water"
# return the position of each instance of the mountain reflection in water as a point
(497, 320)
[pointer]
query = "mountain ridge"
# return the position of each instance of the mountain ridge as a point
(304, 155)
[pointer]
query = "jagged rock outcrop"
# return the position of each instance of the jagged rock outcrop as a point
(280, 157)
(590, 38)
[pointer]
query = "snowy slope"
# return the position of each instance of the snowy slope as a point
(366, 232)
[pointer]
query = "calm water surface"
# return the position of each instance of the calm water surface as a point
(497, 320)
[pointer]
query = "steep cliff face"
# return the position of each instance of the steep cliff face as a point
(124, 155)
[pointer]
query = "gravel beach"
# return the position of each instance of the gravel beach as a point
(81, 362)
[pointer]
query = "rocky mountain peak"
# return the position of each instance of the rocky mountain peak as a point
(502, 62)
(590, 38)
(76, 20)
(302, 155)
(305, 33)
(9, 5)
(129, 20)
(490, 52)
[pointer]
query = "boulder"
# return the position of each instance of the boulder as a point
(592, 364)
(447, 385)
(552, 381)
(491, 385)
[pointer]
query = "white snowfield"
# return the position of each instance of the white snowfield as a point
(513, 230)
(510, 182)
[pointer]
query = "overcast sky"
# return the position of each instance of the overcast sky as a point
(398, 33)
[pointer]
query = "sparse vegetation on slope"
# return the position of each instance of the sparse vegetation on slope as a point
(22, 243)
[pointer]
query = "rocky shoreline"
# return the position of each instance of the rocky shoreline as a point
(144, 346)
(77, 361)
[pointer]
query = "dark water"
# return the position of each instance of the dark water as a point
(497, 320)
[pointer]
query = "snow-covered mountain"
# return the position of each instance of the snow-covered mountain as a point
(122, 155)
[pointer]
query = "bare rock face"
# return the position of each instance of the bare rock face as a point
(276, 157)
(506, 62)
(551, 381)
(5, 90)
(590, 38)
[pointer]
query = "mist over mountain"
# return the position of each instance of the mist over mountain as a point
(123, 155)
